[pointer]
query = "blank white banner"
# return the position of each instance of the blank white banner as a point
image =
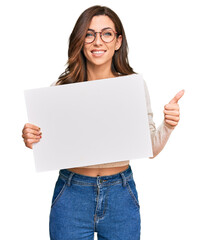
(90, 122)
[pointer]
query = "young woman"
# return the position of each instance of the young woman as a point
(100, 198)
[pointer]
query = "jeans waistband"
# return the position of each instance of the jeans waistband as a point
(71, 177)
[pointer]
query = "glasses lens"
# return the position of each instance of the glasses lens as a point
(89, 37)
(108, 35)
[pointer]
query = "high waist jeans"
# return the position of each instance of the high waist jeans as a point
(82, 205)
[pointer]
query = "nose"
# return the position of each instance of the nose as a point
(98, 39)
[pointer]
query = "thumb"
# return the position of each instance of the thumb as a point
(177, 97)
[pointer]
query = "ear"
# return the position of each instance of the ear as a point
(118, 42)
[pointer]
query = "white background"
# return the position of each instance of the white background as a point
(167, 45)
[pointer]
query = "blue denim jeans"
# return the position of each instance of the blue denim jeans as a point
(82, 205)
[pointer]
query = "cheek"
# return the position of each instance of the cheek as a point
(112, 48)
(112, 51)
(85, 51)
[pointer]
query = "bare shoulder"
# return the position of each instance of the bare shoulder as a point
(53, 84)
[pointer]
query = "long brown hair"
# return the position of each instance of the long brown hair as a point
(76, 65)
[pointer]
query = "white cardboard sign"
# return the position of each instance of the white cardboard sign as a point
(90, 122)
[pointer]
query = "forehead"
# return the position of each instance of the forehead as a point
(99, 22)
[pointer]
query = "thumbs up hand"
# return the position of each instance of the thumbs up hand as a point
(171, 111)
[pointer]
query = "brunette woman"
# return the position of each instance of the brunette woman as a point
(100, 198)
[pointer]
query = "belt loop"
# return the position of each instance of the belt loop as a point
(70, 178)
(123, 179)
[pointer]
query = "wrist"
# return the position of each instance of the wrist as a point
(168, 125)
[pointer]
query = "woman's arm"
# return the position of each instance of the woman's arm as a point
(160, 136)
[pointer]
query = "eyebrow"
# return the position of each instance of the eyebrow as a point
(101, 29)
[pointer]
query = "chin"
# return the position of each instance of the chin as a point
(100, 62)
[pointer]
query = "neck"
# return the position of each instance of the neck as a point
(99, 72)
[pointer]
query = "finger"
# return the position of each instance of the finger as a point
(29, 130)
(170, 106)
(173, 113)
(29, 142)
(32, 126)
(31, 136)
(177, 97)
(172, 123)
(28, 145)
(169, 117)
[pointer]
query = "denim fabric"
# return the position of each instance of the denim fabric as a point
(82, 205)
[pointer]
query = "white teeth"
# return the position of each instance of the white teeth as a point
(97, 52)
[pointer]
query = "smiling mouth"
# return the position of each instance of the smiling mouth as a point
(98, 53)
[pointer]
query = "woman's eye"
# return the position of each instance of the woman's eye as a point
(89, 35)
(107, 33)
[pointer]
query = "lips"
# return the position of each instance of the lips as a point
(98, 52)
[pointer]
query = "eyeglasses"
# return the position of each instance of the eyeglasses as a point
(107, 35)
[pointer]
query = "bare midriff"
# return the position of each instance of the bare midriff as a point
(94, 172)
